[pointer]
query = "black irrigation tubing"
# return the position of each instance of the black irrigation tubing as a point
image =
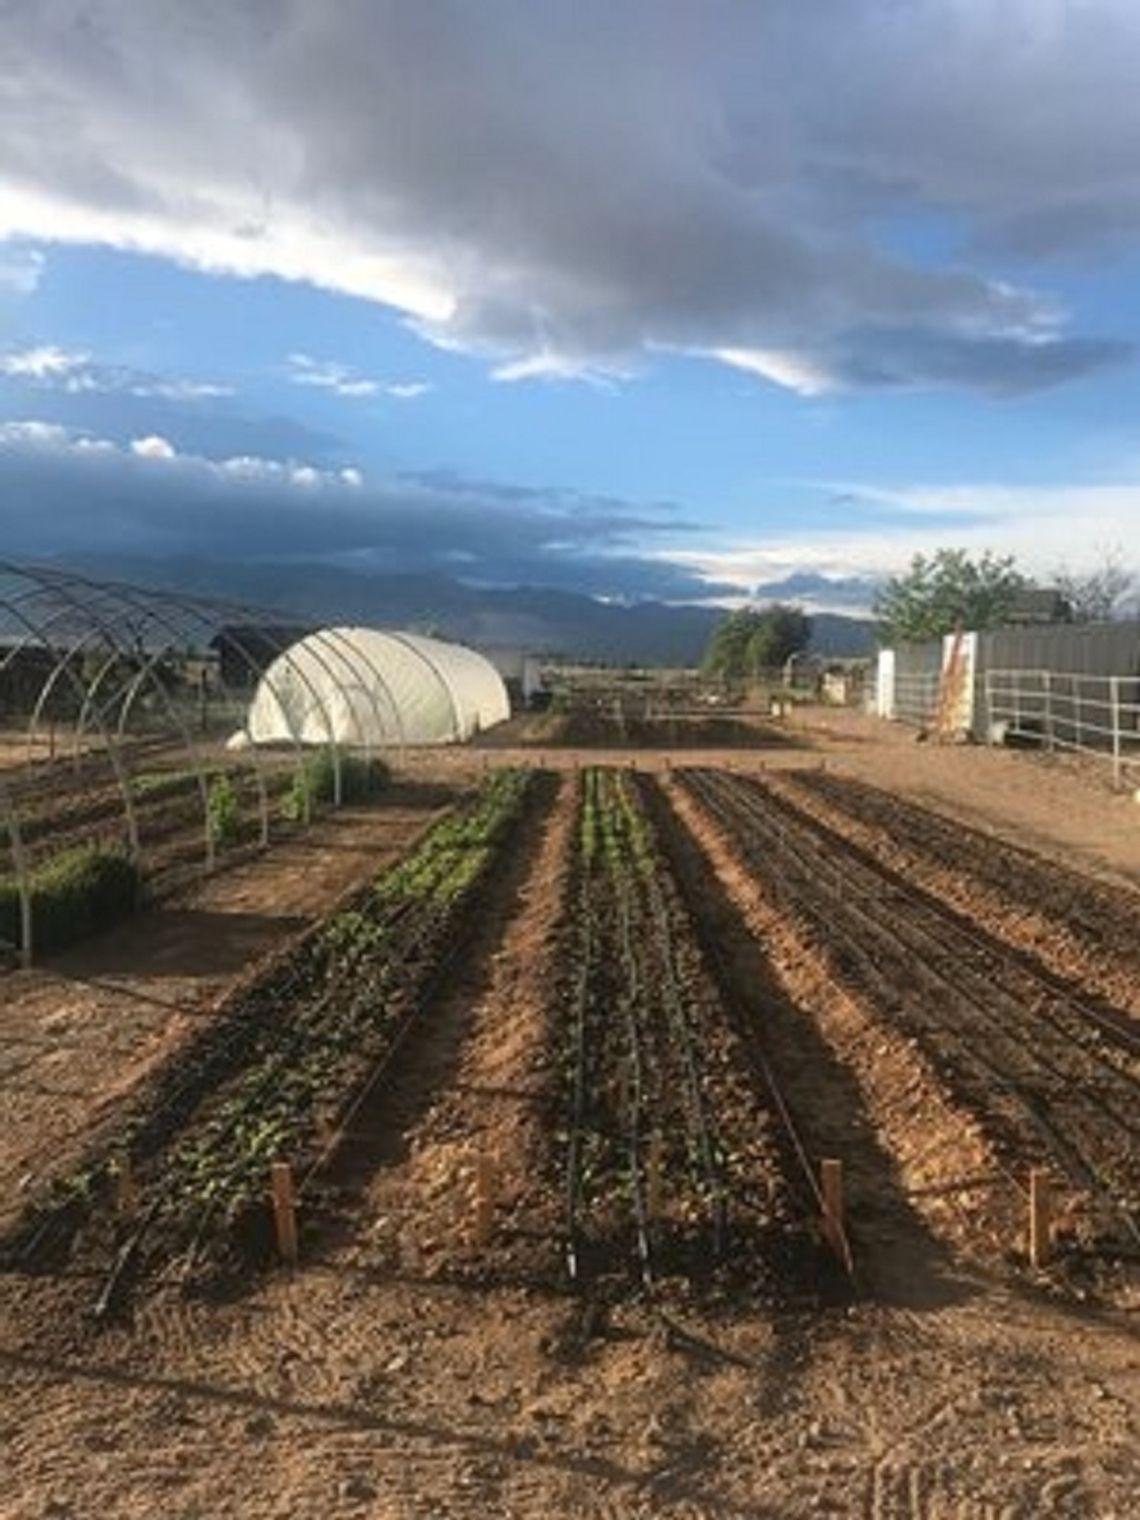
(630, 1000)
(682, 1026)
(1052, 984)
(846, 893)
(726, 983)
(823, 845)
(578, 1104)
(706, 790)
(866, 807)
(282, 1058)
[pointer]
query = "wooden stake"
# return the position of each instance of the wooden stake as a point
(484, 1197)
(124, 1183)
(1040, 1225)
(284, 1210)
(831, 1186)
(656, 1173)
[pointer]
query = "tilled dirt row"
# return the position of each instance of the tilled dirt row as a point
(917, 1167)
(1084, 932)
(1044, 1090)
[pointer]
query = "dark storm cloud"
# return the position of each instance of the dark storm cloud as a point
(64, 494)
(578, 183)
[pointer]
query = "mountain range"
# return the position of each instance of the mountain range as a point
(539, 619)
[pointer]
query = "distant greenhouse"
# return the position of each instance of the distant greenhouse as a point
(364, 688)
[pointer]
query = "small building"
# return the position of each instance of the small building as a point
(521, 672)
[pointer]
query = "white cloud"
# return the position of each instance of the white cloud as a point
(601, 182)
(49, 367)
(152, 448)
(794, 371)
(181, 390)
(45, 364)
(327, 375)
(1045, 527)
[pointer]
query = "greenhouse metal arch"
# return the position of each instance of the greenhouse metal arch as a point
(112, 686)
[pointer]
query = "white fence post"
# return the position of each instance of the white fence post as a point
(1114, 698)
(1047, 693)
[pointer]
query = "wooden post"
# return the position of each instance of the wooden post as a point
(124, 1183)
(484, 1197)
(284, 1210)
(656, 1173)
(831, 1186)
(1040, 1225)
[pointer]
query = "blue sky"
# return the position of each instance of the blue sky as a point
(679, 299)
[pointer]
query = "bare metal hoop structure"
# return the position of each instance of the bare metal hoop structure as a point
(111, 693)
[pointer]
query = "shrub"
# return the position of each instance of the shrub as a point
(73, 895)
(316, 781)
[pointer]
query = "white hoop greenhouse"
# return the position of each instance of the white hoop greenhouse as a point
(363, 687)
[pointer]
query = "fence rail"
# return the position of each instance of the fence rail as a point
(915, 697)
(1056, 710)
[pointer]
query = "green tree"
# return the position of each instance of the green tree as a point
(754, 640)
(945, 589)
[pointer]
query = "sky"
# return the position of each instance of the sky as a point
(663, 298)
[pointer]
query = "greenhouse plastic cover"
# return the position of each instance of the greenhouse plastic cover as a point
(362, 686)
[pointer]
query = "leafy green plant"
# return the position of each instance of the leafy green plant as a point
(223, 810)
(73, 895)
(315, 781)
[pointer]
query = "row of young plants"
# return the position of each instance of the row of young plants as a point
(644, 1165)
(670, 1163)
(274, 1074)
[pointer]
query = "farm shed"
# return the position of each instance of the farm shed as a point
(367, 687)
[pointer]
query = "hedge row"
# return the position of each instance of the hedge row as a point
(73, 895)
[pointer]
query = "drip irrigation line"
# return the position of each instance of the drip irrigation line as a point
(1052, 984)
(849, 896)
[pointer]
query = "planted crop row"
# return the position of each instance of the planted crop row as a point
(272, 1078)
(665, 1146)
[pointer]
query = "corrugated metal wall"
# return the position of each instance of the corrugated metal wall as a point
(1094, 649)
(1073, 713)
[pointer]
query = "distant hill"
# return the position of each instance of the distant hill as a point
(531, 617)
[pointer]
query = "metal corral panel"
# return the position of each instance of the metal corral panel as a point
(917, 667)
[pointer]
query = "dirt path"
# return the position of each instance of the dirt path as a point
(80, 1033)
(344, 1393)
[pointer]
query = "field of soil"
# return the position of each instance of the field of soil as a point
(555, 1068)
